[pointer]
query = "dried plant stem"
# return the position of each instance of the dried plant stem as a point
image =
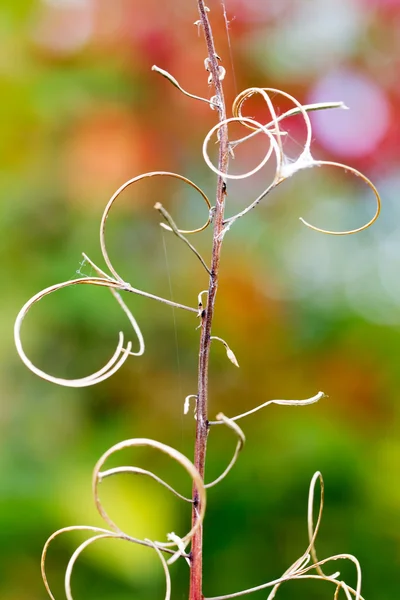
(207, 314)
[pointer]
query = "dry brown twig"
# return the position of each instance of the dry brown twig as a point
(175, 545)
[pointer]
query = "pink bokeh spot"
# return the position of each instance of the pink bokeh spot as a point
(355, 132)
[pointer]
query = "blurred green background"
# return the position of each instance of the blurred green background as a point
(81, 112)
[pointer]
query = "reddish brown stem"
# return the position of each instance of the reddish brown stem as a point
(196, 569)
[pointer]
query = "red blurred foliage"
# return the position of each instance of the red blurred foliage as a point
(355, 387)
(103, 150)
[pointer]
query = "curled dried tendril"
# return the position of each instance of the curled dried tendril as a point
(221, 418)
(116, 361)
(231, 423)
(304, 402)
(133, 181)
(301, 567)
(321, 163)
(230, 354)
(185, 462)
(273, 147)
(264, 92)
(115, 284)
(308, 561)
(175, 546)
(285, 167)
(175, 83)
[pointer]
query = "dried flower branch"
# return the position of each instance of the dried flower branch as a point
(177, 456)
(115, 532)
(284, 169)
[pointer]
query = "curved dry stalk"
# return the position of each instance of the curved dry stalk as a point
(312, 532)
(303, 574)
(305, 163)
(75, 556)
(351, 558)
(299, 565)
(339, 585)
(305, 402)
(229, 352)
(237, 112)
(166, 571)
(320, 163)
(280, 580)
(286, 168)
(138, 471)
(56, 534)
(132, 321)
(120, 355)
(310, 552)
(289, 113)
(180, 458)
(116, 361)
(124, 187)
(90, 541)
(300, 569)
(172, 227)
(239, 446)
(99, 530)
(273, 147)
(175, 83)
